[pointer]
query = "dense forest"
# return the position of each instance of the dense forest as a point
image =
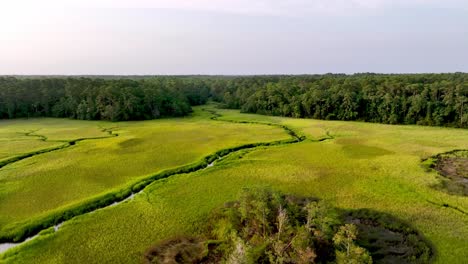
(98, 98)
(425, 99)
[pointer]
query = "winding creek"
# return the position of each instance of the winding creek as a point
(6, 246)
(208, 162)
(66, 144)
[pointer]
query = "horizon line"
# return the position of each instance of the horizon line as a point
(253, 74)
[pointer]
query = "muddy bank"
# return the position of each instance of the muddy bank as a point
(6, 246)
(389, 239)
(453, 168)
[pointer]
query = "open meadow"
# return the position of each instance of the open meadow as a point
(351, 165)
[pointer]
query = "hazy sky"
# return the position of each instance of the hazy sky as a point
(232, 37)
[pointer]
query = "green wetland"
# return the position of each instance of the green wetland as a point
(117, 188)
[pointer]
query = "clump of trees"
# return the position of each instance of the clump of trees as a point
(265, 226)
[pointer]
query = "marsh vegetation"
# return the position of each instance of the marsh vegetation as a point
(183, 174)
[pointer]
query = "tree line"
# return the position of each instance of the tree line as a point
(98, 98)
(424, 99)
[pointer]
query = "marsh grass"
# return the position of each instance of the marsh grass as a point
(84, 196)
(393, 182)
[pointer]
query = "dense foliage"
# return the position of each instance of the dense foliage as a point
(425, 99)
(265, 226)
(99, 99)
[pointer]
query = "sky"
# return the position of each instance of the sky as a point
(172, 37)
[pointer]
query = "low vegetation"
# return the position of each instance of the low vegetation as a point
(356, 165)
(19, 138)
(95, 173)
